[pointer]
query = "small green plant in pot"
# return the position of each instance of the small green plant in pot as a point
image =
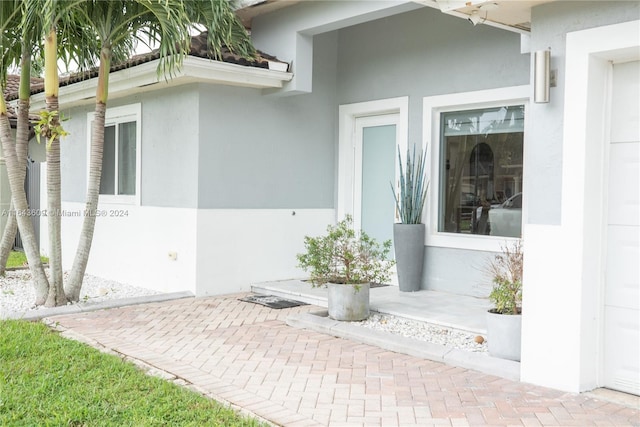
(409, 234)
(505, 270)
(347, 261)
(504, 320)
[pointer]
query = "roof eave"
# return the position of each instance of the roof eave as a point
(145, 78)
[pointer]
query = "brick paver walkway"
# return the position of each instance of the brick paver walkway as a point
(245, 354)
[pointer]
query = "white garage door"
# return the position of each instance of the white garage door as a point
(622, 289)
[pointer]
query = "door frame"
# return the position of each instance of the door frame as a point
(347, 138)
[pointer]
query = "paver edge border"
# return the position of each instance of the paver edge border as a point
(83, 307)
(319, 321)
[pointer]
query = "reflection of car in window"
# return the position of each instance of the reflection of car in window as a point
(506, 219)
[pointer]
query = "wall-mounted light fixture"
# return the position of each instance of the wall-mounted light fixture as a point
(541, 76)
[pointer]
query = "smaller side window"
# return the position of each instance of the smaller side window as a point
(120, 158)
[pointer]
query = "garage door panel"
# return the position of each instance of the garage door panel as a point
(625, 113)
(621, 333)
(622, 350)
(624, 184)
(623, 272)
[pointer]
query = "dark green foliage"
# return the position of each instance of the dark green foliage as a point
(345, 256)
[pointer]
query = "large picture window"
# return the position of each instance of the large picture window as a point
(481, 170)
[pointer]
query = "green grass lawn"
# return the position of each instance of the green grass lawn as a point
(48, 380)
(19, 259)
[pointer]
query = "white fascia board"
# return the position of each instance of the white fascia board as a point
(233, 74)
(144, 78)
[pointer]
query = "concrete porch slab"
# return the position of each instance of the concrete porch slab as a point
(460, 312)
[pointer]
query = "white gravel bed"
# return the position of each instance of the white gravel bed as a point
(424, 332)
(18, 296)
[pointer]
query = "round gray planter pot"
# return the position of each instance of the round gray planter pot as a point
(504, 335)
(348, 302)
(408, 242)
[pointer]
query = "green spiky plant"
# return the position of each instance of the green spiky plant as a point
(413, 187)
(345, 256)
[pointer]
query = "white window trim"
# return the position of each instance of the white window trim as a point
(131, 112)
(433, 106)
(348, 113)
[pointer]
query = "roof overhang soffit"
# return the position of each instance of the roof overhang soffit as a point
(144, 78)
(288, 34)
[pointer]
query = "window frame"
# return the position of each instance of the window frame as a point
(113, 117)
(433, 107)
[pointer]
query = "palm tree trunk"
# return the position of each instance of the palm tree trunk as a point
(8, 239)
(81, 259)
(54, 212)
(95, 173)
(19, 197)
(22, 148)
(54, 207)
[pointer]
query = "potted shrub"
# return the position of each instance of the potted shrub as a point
(408, 235)
(504, 320)
(346, 261)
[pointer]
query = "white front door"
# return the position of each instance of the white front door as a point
(370, 134)
(376, 140)
(621, 361)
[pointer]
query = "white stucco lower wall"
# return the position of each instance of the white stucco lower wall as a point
(238, 247)
(552, 297)
(217, 251)
(132, 244)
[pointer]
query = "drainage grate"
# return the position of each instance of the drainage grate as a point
(272, 301)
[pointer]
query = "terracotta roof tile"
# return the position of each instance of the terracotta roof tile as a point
(10, 90)
(198, 49)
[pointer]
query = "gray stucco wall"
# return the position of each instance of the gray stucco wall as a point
(549, 25)
(458, 271)
(270, 152)
(73, 155)
(423, 53)
(169, 147)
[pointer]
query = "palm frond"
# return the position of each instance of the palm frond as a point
(11, 13)
(224, 27)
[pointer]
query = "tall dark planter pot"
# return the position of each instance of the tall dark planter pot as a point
(408, 241)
